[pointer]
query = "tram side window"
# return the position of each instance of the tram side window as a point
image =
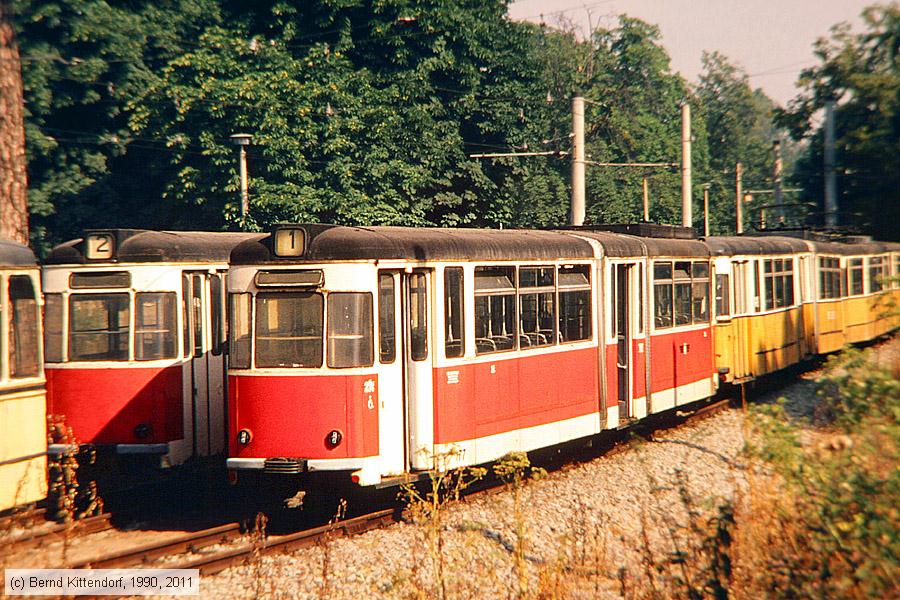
(418, 316)
(680, 293)
(897, 271)
(454, 323)
(779, 282)
(574, 285)
(855, 277)
(239, 332)
(217, 313)
(186, 313)
(53, 326)
(289, 329)
(495, 309)
(98, 327)
(662, 294)
(23, 328)
(387, 344)
(537, 307)
(876, 274)
(700, 292)
(197, 318)
(829, 278)
(350, 330)
(154, 325)
(682, 277)
(723, 306)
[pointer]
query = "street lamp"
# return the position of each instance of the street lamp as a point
(242, 140)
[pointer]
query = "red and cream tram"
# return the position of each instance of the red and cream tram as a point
(134, 340)
(372, 351)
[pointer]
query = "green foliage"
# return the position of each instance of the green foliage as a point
(861, 72)
(839, 523)
(739, 128)
(361, 113)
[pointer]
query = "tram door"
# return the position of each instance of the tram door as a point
(418, 368)
(203, 370)
(623, 279)
(392, 431)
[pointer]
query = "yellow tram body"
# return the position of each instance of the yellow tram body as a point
(23, 447)
(23, 416)
(760, 319)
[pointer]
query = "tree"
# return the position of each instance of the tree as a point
(87, 66)
(13, 173)
(861, 73)
(740, 128)
(634, 116)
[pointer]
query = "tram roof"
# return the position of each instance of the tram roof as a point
(754, 245)
(622, 245)
(144, 246)
(845, 249)
(14, 254)
(338, 242)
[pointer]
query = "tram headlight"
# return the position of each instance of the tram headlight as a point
(244, 436)
(333, 439)
(143, 431)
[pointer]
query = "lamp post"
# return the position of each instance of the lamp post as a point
(242, 140)
(706, 209)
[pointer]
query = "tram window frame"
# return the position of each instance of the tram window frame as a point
(778, 282)
(723, 295)
(198, 317)
(739, 281)
(756, 305)
(855, 278)
(119, 332)
(218, 326)
(537, 299)
(387, 319)
(682, 297)
(831, 277)
(23, 322)
(896, 276)
(240, 331)
(495, 296)
(663, 299)
(680, 293)
(167, 326)
(418, 316)
(186, 314)
(263, 313)
(574, 295)
(876, 274)
(454, 313)
(699, 292)
(349, 335)
(54, 309)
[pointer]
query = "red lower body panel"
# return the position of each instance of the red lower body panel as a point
(292, 415)
(477, 400)
(103, 405)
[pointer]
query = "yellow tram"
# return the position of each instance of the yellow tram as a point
(23, 416)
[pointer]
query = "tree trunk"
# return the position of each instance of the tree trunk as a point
(13, 164)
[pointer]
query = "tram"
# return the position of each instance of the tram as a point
(134, 341)
(23, 417)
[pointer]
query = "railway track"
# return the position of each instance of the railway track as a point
(148, 553)
(56, 532)
(23, 518)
